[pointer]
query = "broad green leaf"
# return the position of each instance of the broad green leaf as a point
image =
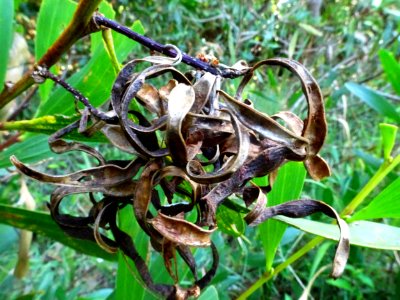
(42, 223)
(288, 186)
(362, 233)
(391, 67)
(23, 150)
(94, 80)
(385, 205)
(230, 221)
(311, 29)
(209, 293)
(388, 135)
(6, 32)
(50, 24)
(374, 100)
(49, 125)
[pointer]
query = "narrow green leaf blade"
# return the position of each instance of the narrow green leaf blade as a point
(362, 233)
(42, 223)
(50, 24)
(128, 285)
(374, 100)
(391, 67)
(6, 31)
(385, 205)
(23, 150)
(51, 124)
(290, 175)
(311, 29)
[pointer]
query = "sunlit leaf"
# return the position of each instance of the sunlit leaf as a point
(385, 205)
(42, 223)
(49, 125)
(374, 100)
(362, 233)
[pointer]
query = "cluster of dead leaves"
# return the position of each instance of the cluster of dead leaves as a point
(200, 146)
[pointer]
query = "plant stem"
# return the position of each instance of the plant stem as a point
(383, 170)
(268, 275)
(79, 26)
(225, 72)
(109, 42)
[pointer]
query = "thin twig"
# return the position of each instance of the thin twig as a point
(167, 50)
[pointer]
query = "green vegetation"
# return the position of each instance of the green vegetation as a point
(352, 49)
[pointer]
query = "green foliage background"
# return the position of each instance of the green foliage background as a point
(352, 48)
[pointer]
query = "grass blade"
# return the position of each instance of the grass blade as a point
(380, 236)
(374, 100)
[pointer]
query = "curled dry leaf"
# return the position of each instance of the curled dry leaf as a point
(181, 232)
(195, 144)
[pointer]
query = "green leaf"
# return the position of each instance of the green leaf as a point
(362, 233)
(391, 67)
(50, 24)
(311, 29)
(374, 100)
(230, 221)
(23, 150)
(341, 283)
(42, 223)
(94, 80)
(209, 293)
(127, 284)
(49, 125)
(385, 205)
(388, 135)
(6, 32)
(288, 186)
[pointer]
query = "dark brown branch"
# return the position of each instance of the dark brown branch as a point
(79, 26)
(225, 72)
